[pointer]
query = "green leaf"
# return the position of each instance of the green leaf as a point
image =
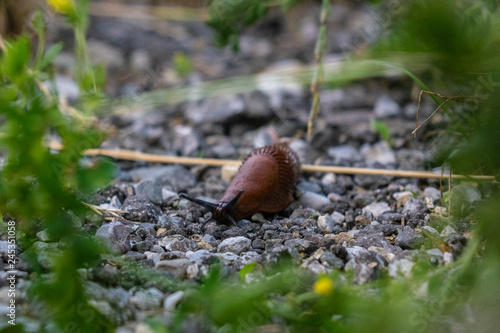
(247, 269)
(16, 57)
(49, 56)
(382, 129)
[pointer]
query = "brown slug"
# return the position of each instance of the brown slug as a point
(264, 183)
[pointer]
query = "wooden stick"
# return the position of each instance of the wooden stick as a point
(130, 155)
(140, 12)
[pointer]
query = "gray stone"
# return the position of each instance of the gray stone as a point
(313, 200)
(234, 244)
(316, 267)
(433, 193)
(447, 232)
(168, 196)
(380, 152)
(329, 259)
(140, 60)
(171, 301)
(338, 218)
(149, 299)
(411, 159)
(187, 141)
(116, 236)
(462, 198)
(175, 267)
(227, 258)
(45, 253)
(363, 199)
(178, 243)
(247, 258)
(257, 105)
(104, 54)
(140, 208)
(67, 88)
(344, 153)
(401, 267)
(385, 107)
(215, 110)
(150, 189)
(407, 238)
(4, 250)
(174, 177)
(298, 243)
(375, 209)
(209, 239)
(171, 222)
(431, 230)
(326, 223)
(200, 257)
(362, 272)
(414, 206)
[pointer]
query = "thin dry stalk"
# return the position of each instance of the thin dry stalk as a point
(319, 76)
(145, 157)
(139, 12)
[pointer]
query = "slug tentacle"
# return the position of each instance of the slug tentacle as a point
(203, 203)
(265, 182)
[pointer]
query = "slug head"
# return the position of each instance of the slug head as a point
(222, 211)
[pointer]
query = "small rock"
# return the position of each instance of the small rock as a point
(247, 258)
(414, 206)
(187, 141)
(407, 238)
(462, 198)
(300, 244)
(234, 244)
(140, 208)
(171, 222)
(447, 232)
(140, 60)
(363, 199)
(104, 54)
(149, 299)
(343, 237)
(175, 177)
(329, 259)
(344, 153)
(316, 267)
(375, 209)
(178, 243)
(380, 152)
(116, 236)
(433, 193)
(326, 223)
(175, 267)
(258, 244)
(388, 256)
(362, 272)
(431, 230)
(150, 189)
(200, 257)
(215, 110)
(400, 267)
(171, 301)
(227, 258)
(45, 253)
(385, 107)
(313, 200)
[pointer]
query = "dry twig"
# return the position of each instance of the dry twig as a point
(145, 157)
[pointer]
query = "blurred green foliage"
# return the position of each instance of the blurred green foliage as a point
(40, 188)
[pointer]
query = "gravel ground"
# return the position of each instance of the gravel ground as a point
(363, 224)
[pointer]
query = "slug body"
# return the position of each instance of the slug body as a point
(264, 183)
